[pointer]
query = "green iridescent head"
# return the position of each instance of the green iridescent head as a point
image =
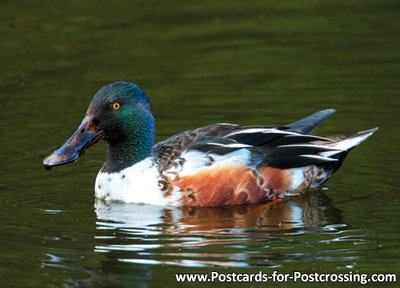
(119, 113)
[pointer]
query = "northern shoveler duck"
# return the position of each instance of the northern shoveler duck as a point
(220, 164)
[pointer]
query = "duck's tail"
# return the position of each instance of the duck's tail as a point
(344, 144)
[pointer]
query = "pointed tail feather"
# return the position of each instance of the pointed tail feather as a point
(349, 141)
(344, 143)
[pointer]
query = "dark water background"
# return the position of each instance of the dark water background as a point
(200, 62)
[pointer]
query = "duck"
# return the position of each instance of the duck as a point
(216, 165)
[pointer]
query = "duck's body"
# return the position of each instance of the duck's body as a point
(220, 164)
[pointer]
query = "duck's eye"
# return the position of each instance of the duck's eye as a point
(116, 106)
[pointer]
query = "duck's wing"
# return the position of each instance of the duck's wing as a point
(273, 146)
(224, 136)
(308, 124)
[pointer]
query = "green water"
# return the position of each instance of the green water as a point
(200, 62)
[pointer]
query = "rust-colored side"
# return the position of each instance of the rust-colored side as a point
(277, 180)
(232, 185)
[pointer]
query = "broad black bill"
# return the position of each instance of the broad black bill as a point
(85, 136)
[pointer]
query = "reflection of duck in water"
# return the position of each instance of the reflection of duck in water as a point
(307, 210)
(221, 164)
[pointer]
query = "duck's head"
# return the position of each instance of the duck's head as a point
(120, 114)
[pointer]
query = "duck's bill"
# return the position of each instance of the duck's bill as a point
(85, 136)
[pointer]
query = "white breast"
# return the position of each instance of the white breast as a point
(136, 184)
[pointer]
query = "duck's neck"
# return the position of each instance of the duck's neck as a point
(131, 150)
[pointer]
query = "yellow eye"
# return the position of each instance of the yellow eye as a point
(116, 106)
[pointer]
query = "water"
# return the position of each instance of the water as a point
(258, 62)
